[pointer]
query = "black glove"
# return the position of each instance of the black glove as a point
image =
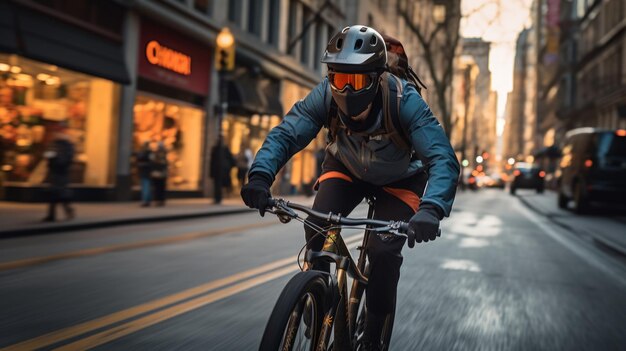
(256, 193)
(424, 225)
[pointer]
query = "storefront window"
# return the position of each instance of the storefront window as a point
(179, 128)
(243, 133)
(37, 99)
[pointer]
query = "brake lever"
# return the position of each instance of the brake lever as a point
(283, 212)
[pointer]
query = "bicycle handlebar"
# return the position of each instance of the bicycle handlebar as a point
(285, 208)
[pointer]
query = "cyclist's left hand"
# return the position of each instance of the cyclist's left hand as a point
(424, 225)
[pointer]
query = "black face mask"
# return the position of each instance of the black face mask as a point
(352, 103)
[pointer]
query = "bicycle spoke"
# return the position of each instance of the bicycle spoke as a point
(296, 338)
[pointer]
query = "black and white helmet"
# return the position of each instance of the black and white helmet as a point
(356, 49)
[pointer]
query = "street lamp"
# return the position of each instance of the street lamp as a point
(224, 63)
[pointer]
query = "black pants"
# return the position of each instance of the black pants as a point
(340, 192)
(59, 194)
(158, 185)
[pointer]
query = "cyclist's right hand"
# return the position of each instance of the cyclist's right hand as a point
(256, 193)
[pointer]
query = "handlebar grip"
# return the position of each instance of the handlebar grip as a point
(404, 227)
(271, 202)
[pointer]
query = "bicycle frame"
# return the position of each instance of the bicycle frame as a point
(335, 250)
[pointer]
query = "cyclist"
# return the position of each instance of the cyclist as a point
(361, 161)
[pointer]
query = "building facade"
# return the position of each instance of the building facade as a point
(594, 88)
(474, 108)
(123, 73)
(569, 73)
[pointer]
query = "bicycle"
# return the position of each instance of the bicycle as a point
(315, 305)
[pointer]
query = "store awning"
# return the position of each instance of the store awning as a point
(50, 40)
(248, 95)
(8, 35)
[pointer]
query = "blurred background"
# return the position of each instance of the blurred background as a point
(106, 105)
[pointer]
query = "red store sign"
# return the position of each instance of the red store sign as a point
(173, 59)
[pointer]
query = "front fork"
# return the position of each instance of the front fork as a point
(342, 312)
(337, 316)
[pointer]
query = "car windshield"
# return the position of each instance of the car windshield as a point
(526, 167)
(612, 145)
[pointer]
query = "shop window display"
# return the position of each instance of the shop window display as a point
(178, 127)
(35, 100)
(243, 133)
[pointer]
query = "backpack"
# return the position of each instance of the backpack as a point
(392, 89)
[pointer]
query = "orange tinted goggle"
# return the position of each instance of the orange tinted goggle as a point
(357, 81)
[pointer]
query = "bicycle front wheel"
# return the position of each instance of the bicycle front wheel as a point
(296, 320)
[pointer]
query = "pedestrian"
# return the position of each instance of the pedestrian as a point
(144, 168)
(377, 123)
(228, 163)
(60, 156)
(158, 171)
(243, 163)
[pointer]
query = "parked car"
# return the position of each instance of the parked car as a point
(527, 176)
(593, 168)
(494, 180)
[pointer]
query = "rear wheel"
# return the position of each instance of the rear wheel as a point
(581, 204)
(385, 338)
(562, 200)
(296, 320)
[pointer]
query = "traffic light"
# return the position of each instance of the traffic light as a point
(225, 60)
(225, 51)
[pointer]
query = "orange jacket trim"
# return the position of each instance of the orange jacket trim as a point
(407, 196)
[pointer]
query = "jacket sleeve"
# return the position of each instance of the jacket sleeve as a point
(433, 147)
(299, 126)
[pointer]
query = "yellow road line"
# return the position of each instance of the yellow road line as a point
(160, 316)
(171, 312)
(79, 329)
(127, 246)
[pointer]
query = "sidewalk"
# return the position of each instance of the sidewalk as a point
(602, 225)
(19, 219)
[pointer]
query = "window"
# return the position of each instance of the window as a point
(273, 22)
(176, 127)
(41, 102)
(255, 15)
(203, 6)
(319, 45)
(234, 11)
(305, 47)
(293, 20)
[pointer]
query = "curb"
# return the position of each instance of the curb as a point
(115, 222)
(618, 249)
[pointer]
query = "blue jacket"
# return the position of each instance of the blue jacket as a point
(305, 119)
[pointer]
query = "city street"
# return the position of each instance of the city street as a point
(503, 276)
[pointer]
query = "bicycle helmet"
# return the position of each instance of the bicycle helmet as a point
(356, 57)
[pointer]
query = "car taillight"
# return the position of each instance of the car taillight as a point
(542, 174)
(517, 172)
(588, 163)
(621, 132)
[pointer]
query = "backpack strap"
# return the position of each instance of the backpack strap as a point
(332, 118)
(392, 94)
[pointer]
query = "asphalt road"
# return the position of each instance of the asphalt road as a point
(501, 277)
